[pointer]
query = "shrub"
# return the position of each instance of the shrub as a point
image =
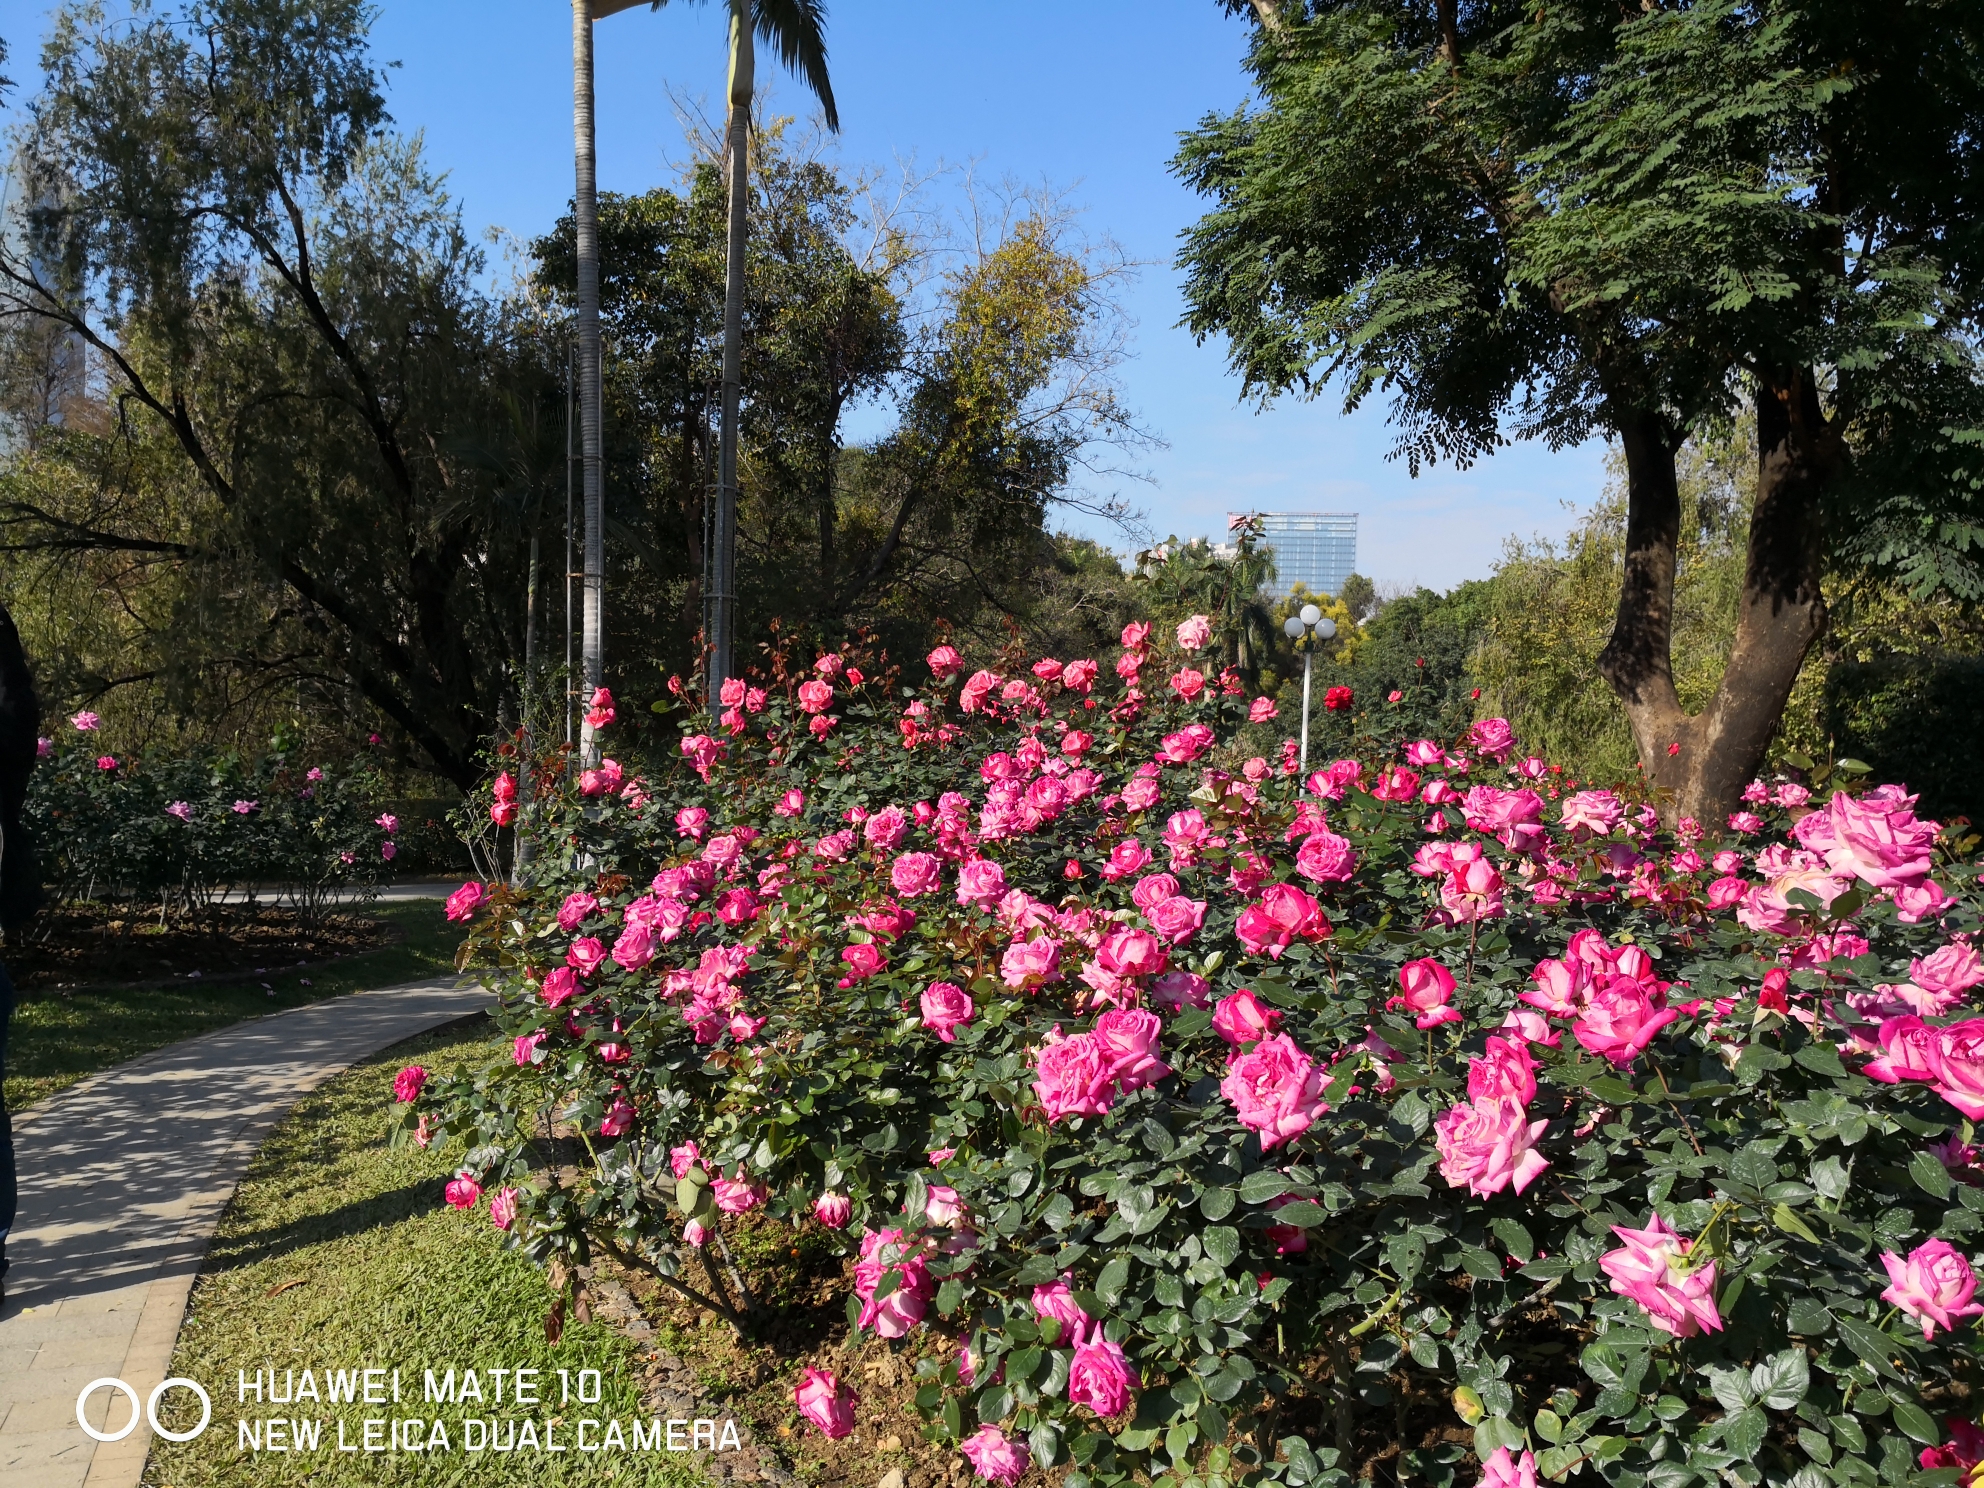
(180, 830)
(1188, 1122)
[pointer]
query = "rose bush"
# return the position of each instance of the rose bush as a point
(1191, 1122)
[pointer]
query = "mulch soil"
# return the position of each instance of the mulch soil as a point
(85, 945)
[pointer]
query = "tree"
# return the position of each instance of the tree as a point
(1548, 222)
(283, 308)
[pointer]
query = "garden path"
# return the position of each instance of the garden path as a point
(123, 1178)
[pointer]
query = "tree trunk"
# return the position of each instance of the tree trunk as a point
(1699, 764)
(723, 537)
(585, 216)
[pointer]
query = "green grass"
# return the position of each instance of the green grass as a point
(54, 1041)
(369, 1269)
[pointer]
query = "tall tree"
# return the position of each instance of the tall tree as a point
(1550, 221)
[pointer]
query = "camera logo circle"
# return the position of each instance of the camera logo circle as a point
(150, 1409)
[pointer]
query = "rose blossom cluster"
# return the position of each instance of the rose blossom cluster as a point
(1488, 1143)
(1082, 1074)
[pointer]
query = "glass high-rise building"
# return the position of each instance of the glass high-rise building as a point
(1317, 550)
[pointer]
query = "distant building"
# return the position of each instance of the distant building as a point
(1317, 550)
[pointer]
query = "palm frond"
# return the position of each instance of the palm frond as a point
(797, 31)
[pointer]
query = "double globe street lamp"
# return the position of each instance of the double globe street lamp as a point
(1308, 621)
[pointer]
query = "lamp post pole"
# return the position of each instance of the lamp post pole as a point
(1309, 624)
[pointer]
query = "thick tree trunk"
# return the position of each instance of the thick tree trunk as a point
(1700, 764)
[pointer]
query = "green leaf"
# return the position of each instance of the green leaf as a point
(1915, 1421)
(1781, 1381)
(1613, 1091)
(1481, 1264)
(1303, 1214)
(1216, 1203)
(1732, 1389)
(1930, 1175)
(1754, 1167)
(1821, 1059)
(1808, 1316)
(1114, 1277)
(1407, 1253)
(1743, 1433)
(1830, 1178)
(1786, 1219)
(1263, 1186)
(1222, 1243)
(1044, 1442)
(1496, 1431)
(1872, 1345)
(949, 1295)
(1548, 1425)
(995, 1405)
(1514, 1238)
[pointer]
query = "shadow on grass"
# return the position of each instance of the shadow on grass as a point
(375, 1212)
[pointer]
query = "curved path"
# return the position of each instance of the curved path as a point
(123, 1178)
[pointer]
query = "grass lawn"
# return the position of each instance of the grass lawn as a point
(55, 1041)
(337, 1253)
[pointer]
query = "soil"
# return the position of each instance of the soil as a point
(87, 945)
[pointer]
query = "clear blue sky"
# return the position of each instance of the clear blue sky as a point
(1089, 96)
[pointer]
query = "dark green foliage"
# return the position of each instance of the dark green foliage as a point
(1917, 719)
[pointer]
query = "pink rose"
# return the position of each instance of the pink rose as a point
(1593, 811)
(945, 662)
(692, 822)
(1188, 683)
(503, 1208)
(862, 961)
(1129, 952)
(1074, 1078)
(1152, 890)
(833, 1210)
(462, 1191)
(1128, 1040)
(619, 1119)
(1031, 962)
(993, 1457)
(946, 1007)
(463, 903)
(1488, 1145)
(1079, 675)
(1193, 634)
(1492, 737)
(815, 696)
(1908, 1052)
(1653, 1269)
(1055, 1301)
(1177, 919)
(573, 912)
(1140, 793)
(1135, 634)
(523, 1049)
(684, 1159)
(1934, 1286)
(585, 954)
(1099, 1377)
(916, 874)
(1425, 986)
(792, 803)
(825, 1402)
(1960, 1066)
(1956, 968)
(1621, 1019)
(886, 828)
(1276, 1090)
(1262, 709)
(407, 1084)
(738, 1195)
(1504, 1471)
(1874, 837)
(1125, 858)
(883, 1252)
(1241, 1019)
(1178, 990)
(971, 697)
(1507, 1071)
(1473, 891)
(1325, 857)
(1281, 916)
(561, 983)
(634, 948)
(981, 882)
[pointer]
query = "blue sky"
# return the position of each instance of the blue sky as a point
(1089, 97)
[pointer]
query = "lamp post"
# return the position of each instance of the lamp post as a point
(1309, 622)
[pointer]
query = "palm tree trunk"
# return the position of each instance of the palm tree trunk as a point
(723, 565)
(585, 213)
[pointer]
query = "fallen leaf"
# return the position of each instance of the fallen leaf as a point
(282, 1286)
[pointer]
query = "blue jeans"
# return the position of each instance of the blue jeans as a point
(9, 1193)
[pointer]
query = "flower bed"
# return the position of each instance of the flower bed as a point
(1187, 1121)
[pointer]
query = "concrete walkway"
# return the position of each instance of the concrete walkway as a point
(123, 1178)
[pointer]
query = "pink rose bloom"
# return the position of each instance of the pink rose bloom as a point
(792, 803)
(1177, 919)
(585, 954)
(1177, 990)
(1241, 1019)
(825, 1402)
(1035, 961)
(916, 874)
(1152, 890)
(971, 697)
(1099, 1377)
(503, 1208)
(1276, 1090)
(1079, 675)
(561, 983)
(1129, 952)
(619, 1119)
(1593, 811)
(523, 1048)
(1473, 891)
(1874, 837)
(1959, 1057)
(1934, 1286)
(1425, 986)
(1955, 969)
(1193, 634)
(1916, 902)
(945, 662)
(684, 1159)
(1125, 858)
(1325, 857)
(833, 1210)
(886, 828)
(1333, 781)
(1047, 669)
(1493, 737)
(572, 913)
(1074, 1078)
(815, 696)
(737, 1195)
(884, 1251)
(462, 1191)
(407, 1084)
(1262, 709)
(1055, 1301)
(863, 961)
(692, 822)
(1507, 1071)
(993, 1457)
(1908, 1052)
(634, 948)
(85, 722)
(1135, 634)
(946, 1007)
(1140, 794)
(1188, 683)
(1651, 1269)
(1281, 916)
(1488, 1145)
(1621, 1019)
(1128, 1040)
(981, 882)
(1504, 1471)
(463, 903)
(696, 1233)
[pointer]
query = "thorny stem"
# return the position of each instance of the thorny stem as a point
(736, 1276)
(1687, 1127)
(633, 1260)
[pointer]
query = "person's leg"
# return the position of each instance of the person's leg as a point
(9, 1193)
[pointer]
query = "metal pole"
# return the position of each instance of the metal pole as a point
(526, 702)
(570, 364)
(585, 216)
(737, 134)
(1308, 669)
